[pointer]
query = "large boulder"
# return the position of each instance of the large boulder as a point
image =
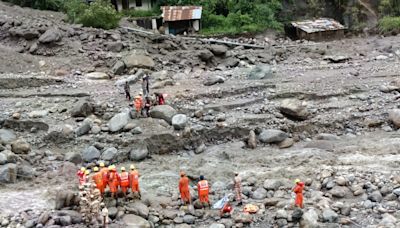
(20, 146)
(3, 158)
(205, 55)
(309, 219)
(97, 76)
(340, 191)
(119, 121)
(25, 172)
(84, 128)
(7, 136)
(118, 67)
(164, 112)
(394, 116)
(260, 72)
(8, 173)
(259, 193)
(38, 114)
(90, 154)
(109, 154)
(139, 152)
(294, 109)
(134, 221)
(218, 50)
(272, 136)
(73, 157)
(214, 79)
(50, 36)
(328, 215)
(82, 109)
(139, 61)
(179, 121)
(272, 184)
(138, 208)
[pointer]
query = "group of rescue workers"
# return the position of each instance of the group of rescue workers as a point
(125, 181)
(109, 176)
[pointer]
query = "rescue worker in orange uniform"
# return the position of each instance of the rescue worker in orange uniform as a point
(124, 181)
(184, 189)
(203, 189)
(113, 181)
(134, 180)
(138, 102)
(104, 174)
(81, 176)
(98, 180)
(298, 189)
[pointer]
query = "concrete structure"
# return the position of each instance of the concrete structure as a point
(136, 4)
(181, 19)
(316, 30)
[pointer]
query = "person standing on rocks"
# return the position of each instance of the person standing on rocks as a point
(147, 106)
(134, 181)
(237, 183)
(104, 174)
(145, 85)
(104, 215)
(98, 180)
(203, 190)
(81, 176)
(298, 189)
(124, 181)
(127, 91)
(138, 102)
(160, 98)
(113, 181)
(184, 189)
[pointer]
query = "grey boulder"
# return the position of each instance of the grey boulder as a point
(179, 121)
(272, 136)
(139, 152)
(164, 112)
(90, 154)
(119, 121)
(109, 154)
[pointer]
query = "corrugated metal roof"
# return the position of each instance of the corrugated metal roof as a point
(318, 25)
(181, 13)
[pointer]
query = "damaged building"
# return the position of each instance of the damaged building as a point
(316, 30)
(181, 19)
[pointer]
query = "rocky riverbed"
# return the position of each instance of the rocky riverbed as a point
(323, 112)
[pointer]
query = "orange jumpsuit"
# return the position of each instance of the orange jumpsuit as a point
(98, 180)
(124, 181)
(298, 189)
(203, 190)
(81, 177)
(104, 172)
(184, 189)
(134, 180)
(113, 181)
(138, 102)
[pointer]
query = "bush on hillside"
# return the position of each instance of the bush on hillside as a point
(99, 14)
(389, 25)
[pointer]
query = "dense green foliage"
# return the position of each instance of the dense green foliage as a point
(389, 25)
(54, 5)
(390, 13)
(100, 14)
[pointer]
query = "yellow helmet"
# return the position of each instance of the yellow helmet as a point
(296, 181)
(110, 167)
(83, 169)
(96, 169)
(133, 167)
(101, 164)
(87, 172)
(122, 168)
